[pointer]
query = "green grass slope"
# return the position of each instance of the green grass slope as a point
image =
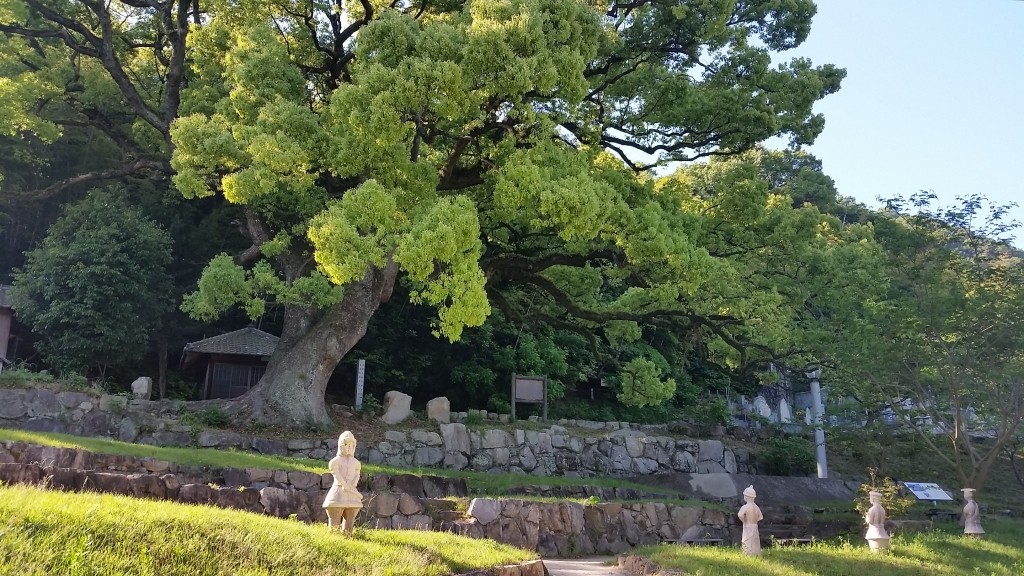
(56, 533)
(935, 553)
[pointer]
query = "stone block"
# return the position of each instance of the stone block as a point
(426, 438)
(409, 505)
(12, 403)
(420, 522)
(197, 494)
(495, 438)
(428, 456)
(303, 480)
(14, 473)
(395, 436)
(455, 438)
(65, 479)
(408, 484)
(484, 510)
(284, 503)
(146, 486)
(42, 402)
(386, 504)
(397, 407)
(142, 388)
(271, 447)
(107, 482)
(439, 409)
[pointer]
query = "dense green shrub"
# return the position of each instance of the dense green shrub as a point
(786, 457)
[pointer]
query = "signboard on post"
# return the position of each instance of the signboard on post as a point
(529, 389)
(927, 491)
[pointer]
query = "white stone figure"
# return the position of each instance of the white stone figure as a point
(343, 501)
(972, 517)
(785, 414)
(877, 537)
(750, 515)
(808, 417)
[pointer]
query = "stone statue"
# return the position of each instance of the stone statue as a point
(343, 501)
(750, 515)
(972, 518)
(877, 537)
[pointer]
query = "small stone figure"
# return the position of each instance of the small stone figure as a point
(877, 537)
(343, 501)
(750, 515)
(972, 518)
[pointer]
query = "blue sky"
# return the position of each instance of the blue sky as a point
(933, 98)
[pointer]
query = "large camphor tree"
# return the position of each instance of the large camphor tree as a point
(490, 152)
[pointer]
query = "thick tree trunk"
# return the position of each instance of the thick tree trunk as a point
(291, 393)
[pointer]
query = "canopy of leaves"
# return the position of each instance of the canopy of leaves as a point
(97, 285)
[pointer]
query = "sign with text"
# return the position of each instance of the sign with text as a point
(530, 389)
(927, 491)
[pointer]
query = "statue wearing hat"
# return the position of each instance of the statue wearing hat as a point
(972, 516)
(877, 537)
(750, 515)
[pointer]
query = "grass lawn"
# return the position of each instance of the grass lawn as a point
(937, 553)
(481, 483)
(44, 532)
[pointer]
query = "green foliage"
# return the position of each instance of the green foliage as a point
(786, 457)
(709, 412)
(499, 403)
(894, 499)
(642, 385)
(21, 377)
(97, 285)
(371, 406)
(210, 417)
(948, 332)
(484, 154)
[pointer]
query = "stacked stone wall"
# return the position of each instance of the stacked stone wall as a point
(591, 449)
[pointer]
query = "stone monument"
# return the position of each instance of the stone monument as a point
(343, 501)
(972, 517)
(750, 515)
(877, 537)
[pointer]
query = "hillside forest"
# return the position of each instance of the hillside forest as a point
(612, 194)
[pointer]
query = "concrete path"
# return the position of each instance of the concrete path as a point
(595, 566)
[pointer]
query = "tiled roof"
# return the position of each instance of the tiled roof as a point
(248, 341)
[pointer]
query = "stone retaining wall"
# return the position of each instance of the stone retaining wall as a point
(550, 528)
(595, 449)
(572, 529)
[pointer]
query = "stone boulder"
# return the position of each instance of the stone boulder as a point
(439, 409)
(283, 503)
(142, 388)
(396, 407)
(484, 510)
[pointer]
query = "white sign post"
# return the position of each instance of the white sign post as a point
(360, 377)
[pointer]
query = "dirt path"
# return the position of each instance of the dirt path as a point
(596, 566)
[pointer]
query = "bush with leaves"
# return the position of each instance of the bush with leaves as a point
(894, 500)
(97, 285)
(786, 457)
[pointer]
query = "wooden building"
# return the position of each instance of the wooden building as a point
(231, 363)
